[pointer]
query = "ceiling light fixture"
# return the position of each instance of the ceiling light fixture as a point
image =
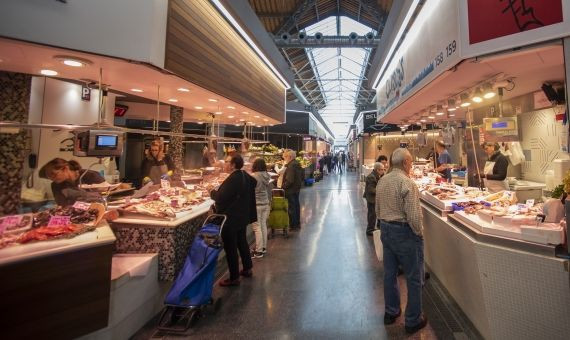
(200, 123)
(477, 97)
(242, 120)
(213, 100)
(137, 90)
(245, 112)
(48, 72)
(231, 116)
(265, 119)
(218, 112)
(255, 116)
(198, 107)
(73, 61)
(173, 100)
(439, 110)
(183, 89)
(488, 91)
(231, 107)
(431, 117)
(465, 100)
(423, 120)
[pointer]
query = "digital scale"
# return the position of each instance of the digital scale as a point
(503, 129)
(98, 143)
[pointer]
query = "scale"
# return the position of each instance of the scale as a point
(98, 143)
(503, 129)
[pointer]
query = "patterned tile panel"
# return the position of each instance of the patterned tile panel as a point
(171, 243)
(176, 148)
(14, 106)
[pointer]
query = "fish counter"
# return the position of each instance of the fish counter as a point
(496, 258)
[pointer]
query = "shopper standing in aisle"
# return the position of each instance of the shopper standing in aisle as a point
(236, 199)
(263, 206)
(384, 160)
(292, 182)
(400, 215)
(370, 195)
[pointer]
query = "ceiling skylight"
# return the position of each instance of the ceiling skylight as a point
(339, 71)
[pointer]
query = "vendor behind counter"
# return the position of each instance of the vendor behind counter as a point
(65, 176)
(495, 172)
(156, 163)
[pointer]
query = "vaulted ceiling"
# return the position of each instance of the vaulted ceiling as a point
(293, 16)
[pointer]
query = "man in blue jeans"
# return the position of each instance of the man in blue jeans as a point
(292, 182)
(400, 215)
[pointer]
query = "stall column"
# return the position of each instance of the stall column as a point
(176, 147)
(14, 106)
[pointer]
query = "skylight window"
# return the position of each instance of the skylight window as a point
(339, 71)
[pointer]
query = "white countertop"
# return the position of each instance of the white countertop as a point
(526, 185)
(21, 252)
(174, 222)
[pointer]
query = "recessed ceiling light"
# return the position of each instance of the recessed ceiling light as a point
(168, 121)
(48, 72)
(173, 100)
(231, 116)
(451, 114)
(431, 117)
(258, 126)
(245, 112)
(465, 104)
(440, 113)
(136, 90)
(255, 116)
(265, 119)
(73, 63)
(238, 124)
(242, 120)
(423, 120)
(183, 89)
(200, 122)
(198, 107)
(451, 108)
(213, 100)
(218, 112)
(231, 107)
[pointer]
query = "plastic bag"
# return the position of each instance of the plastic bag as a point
(378, 247)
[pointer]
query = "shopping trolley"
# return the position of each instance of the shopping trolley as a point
(192, 289)
(279, 216)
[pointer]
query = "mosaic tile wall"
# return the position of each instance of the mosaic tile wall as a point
(14, 106)
(176, 150)
(171, 243)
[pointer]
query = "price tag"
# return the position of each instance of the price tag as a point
(56, 221)
(81, 205)
(530, 203)
(9, 222)
(165, 184)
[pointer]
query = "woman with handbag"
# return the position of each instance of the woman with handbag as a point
(236, 199)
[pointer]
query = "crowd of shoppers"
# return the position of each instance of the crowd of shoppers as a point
(330, 163)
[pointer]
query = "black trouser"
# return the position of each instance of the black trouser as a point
(234, 238)
(294, 210)
(371, 216)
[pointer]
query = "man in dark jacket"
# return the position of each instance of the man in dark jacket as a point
(236, 199)
(292, 182)
(370, 195)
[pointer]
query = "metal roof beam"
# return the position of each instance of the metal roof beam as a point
(327, 41)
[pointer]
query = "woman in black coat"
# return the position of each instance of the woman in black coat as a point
(236, 199)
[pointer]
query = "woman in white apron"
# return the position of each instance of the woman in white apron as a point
(495, 172)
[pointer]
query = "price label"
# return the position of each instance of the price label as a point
(164, 184)
(9, 222)
(81, 205)
(56, 221)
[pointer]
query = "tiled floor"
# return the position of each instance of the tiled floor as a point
(324, 282)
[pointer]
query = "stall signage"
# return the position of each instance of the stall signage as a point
(85, 93)
(429, 48)
(369, 119)
(81, 205)
(489, 25)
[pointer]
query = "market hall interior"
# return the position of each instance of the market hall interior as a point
(323, 282)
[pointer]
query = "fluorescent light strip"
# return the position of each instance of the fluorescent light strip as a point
(395, 42)
(246, 37)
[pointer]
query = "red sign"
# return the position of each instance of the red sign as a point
(120, 110)
(490, 19)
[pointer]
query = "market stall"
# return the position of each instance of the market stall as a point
(494, 255)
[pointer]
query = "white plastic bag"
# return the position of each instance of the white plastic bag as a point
(378, 245)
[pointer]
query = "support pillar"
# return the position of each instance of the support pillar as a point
(14, 106)
(176, 149)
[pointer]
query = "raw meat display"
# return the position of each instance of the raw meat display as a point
(50, 233)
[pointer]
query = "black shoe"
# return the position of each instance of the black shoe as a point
(422, 324)
(246, 273)
(390, 319)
